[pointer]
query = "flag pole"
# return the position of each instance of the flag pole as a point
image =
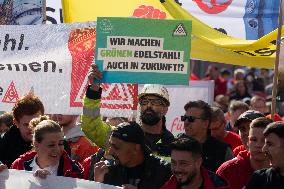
(276, 65)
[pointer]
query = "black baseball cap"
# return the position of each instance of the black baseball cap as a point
(248, 115)
(131, 132)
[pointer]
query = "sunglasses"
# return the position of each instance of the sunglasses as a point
(189, 118)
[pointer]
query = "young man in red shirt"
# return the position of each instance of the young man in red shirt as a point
(271, 178)
(242, 124)
(239, 170)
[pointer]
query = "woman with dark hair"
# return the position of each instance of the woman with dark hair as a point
(48, 156)
(240, 91)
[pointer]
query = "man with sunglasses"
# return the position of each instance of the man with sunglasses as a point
(197, 120)
(154, 103)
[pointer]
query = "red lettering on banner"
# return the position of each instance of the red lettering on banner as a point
(144, 11)
(81, 45)
(213, 7)
(11, 95)
(177, 125)
(119, 96)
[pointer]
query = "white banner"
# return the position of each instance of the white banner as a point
(50, 60)
(245, 19)
(14, 179)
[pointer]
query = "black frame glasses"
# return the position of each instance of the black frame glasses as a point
(189, 118)
(154, 102)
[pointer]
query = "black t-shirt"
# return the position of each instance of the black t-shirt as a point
(135, 174)
(151, 140)
(159, 143)
(266, 179)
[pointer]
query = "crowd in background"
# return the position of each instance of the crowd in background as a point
(232, 144)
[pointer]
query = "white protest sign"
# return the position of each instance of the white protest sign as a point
(50, 60)
(13, 179)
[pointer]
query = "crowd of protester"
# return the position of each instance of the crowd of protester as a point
(233, 144)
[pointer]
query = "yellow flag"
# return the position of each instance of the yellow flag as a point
(207, 43)
(89, 10)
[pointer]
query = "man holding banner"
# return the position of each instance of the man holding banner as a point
(154, 102)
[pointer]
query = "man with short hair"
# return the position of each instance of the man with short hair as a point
(242, 124)
(187, 169)
(258, 103)
(235, 110)
(17, 140)
(154, 102)
(239, 170)
(218, 131)
(132, 164)
(271, 178)
(197, 120)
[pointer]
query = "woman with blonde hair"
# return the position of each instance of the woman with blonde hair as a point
(48, 156)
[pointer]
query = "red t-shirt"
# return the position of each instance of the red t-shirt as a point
(220, 86)
(233, 140)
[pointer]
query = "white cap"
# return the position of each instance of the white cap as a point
(157, 90)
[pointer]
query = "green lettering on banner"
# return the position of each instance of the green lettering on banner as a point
(116, 53)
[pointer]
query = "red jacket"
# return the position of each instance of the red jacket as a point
(237, 171)
(66, 167)
(90, 161)
(210, 181)
(238, 149)
(86, 165)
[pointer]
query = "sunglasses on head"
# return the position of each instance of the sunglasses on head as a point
(189, 118)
